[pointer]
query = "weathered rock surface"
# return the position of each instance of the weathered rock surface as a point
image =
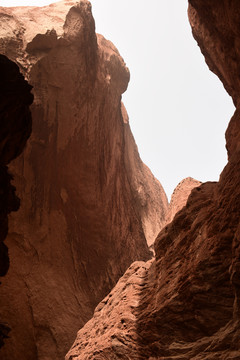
(180, 195)
(186, 303)
(89, 203)
(111, 333)
(15, 128)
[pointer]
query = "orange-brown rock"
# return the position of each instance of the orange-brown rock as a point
(180, 195)
(15, 128)
(89, 202)
(111, 333)
(186, 304)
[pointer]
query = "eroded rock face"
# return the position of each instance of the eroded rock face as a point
(84, 218)
(15, 128)
(111, 333)
(180, 195)
(186, 303)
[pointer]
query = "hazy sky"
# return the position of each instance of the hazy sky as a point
(178, 109)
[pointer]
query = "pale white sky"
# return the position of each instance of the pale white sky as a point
(178, 109)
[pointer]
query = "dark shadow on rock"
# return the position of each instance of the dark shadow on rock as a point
(15, 128)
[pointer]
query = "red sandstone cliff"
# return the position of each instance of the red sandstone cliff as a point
(180, 195)
(185, 304)
(89, 202)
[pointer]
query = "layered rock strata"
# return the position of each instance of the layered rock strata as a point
(15, 128)
(89, 202)
(185, 304)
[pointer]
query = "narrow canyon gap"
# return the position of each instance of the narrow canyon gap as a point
(91, 204)
(185, 303)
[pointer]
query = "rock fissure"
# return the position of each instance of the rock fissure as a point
(89, 204)
(15, 128)
(189, 307)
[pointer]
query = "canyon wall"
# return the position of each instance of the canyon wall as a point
(180, 195)
(185, 303)
(15, 128)
(89, 203)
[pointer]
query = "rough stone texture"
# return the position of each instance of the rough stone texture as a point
(15, 128)
(88, 199)
(111, 333)
(186, 302)
(180, 195)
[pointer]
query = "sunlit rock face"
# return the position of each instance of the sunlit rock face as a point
(15, 128)
(89, 203)
(185, 304)
(180, 195)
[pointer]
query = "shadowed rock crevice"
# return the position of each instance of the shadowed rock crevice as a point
(15, 128)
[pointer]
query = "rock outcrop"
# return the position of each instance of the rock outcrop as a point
(180, 195)
(15, 128)
(185, 304)
(89, 202)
